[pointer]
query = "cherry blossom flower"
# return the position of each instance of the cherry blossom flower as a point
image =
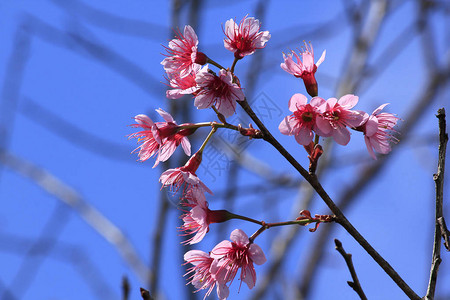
(183, 53)
(378, 131)
(238, 254)
(303, 120)
(160, 138)
(244, 38)
(218, 90)
(336, 115)
(206, 273)
(304, 68)
(182, 85)
(196, 221)
(185, 177)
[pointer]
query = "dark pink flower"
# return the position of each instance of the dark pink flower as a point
(185, 177)
(206, 274)
(218, 90)
(304, 68)
(336, 116)
(160, 138)
(245, 38)
(238, 254)
(378, 130)
(303, 120)
(182, 85)
(183, 53)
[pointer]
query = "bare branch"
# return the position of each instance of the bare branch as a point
(355, 285)
(439, 202)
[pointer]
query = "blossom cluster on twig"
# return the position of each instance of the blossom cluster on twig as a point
(189, 73)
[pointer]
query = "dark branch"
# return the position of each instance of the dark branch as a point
(439, 230)
(355, 285)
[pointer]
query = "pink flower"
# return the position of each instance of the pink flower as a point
(303, 120)
(183, 53)
(185, 177)
(304, 67)
(238, 254)
(197, 220)
(218, 90)
(245, 38)
(206, 273)
(182, 85)
(336, 115)
(161, 138)
(378, 131)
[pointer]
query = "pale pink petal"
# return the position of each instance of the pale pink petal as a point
(296, 101)
(186, 146)
(166, 116)
(249, 277)
(304, 136)
(239, 237)
(284, 127)
(369, 147)
(341, 136)
(371, 126)
(256, 254)
(348, 101)
(379, 109)
(323, 125)
(321, 59)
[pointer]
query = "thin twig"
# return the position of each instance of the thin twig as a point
(355, 285)
(439, 201)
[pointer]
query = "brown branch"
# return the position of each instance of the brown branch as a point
(439, 201)
(355, 285)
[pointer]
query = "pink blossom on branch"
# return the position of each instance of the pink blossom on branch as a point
(183, 54)
(244, 38)
(160, 138)
(196, 221)
(185, 177)
(304, 67)
(220, 91)
(378, 130)
(206, 274)
(182, 85)
(238, 254)
(336, 116)
(302, 122)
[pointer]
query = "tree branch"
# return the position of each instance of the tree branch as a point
(439, 228)
(355, 285)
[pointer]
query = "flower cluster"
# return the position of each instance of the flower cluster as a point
(221, 265)
(189, 73)
(332, 117)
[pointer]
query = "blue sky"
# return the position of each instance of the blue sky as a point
(82, 79)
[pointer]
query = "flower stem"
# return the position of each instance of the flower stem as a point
(209, 60)
(213, 130)
(234, 65)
